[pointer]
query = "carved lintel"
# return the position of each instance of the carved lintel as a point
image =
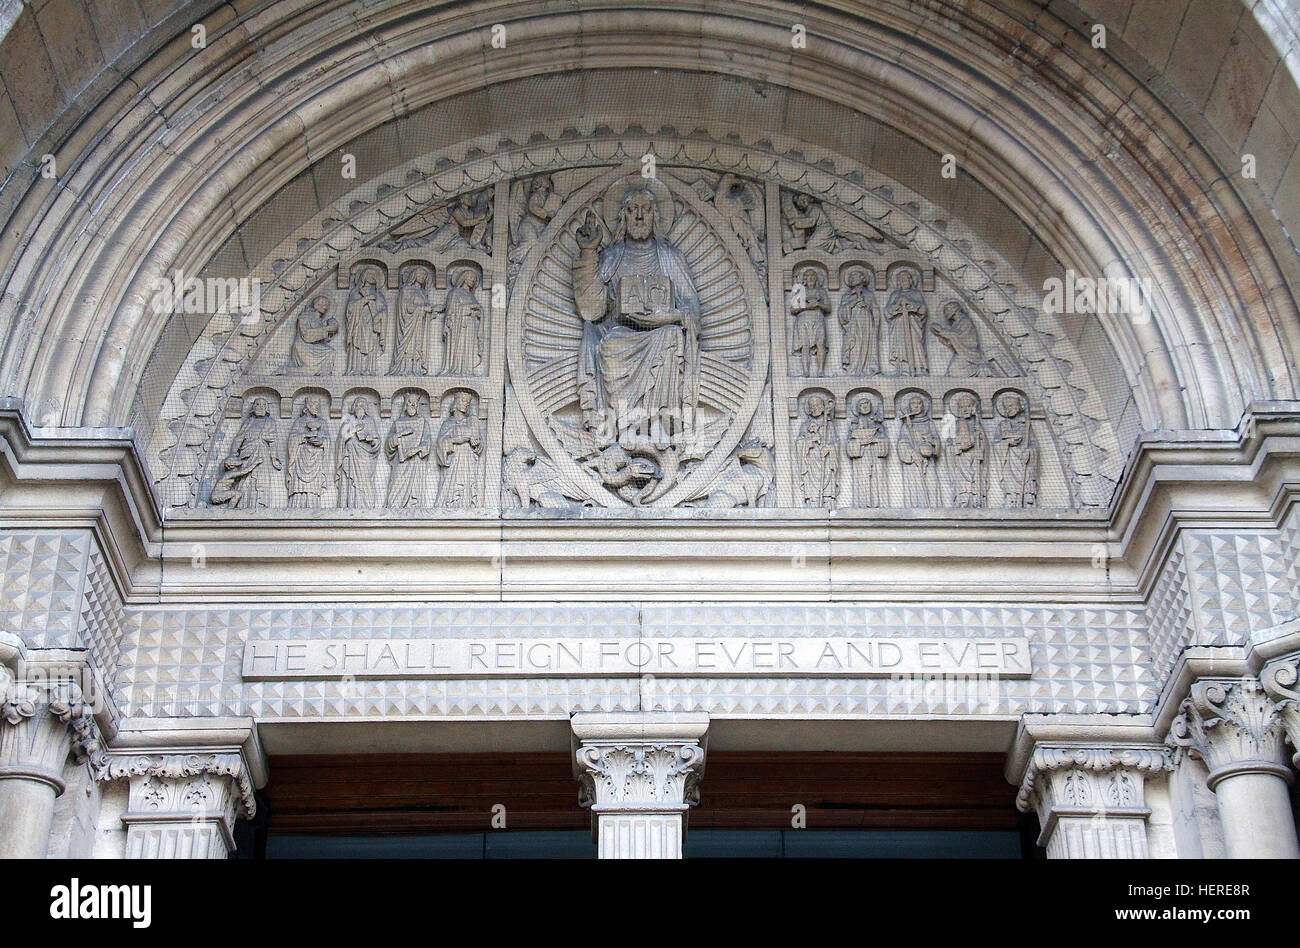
(1279, 679)
(1234, 726)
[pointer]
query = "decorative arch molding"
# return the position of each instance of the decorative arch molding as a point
(1082, 152)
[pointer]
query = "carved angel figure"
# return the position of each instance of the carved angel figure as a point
(739, 202)
(533, 203)
(808, 226)
(464, 221)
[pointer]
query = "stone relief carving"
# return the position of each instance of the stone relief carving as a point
(358, 449)
(809, 308)
(918, 453)
(859, 324)
(867, 448)
(808, 225)
(967, 450)
(312, 352)
(408, 447)
(711, 225)
(739, 202)
(461, 332)
(366, 315)
(247, 471)
(533, 202)
(414, 314)
(463, 222)
(307, 456)
(459, 449)
(1016, 454)
(744, 481)
(907, 315)
(639, 383)
(817, 452)
(534, 482)
(960, 335)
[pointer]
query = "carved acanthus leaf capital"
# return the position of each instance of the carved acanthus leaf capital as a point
(636, 774)
(1127, 767)
(1234, 726)
(180, 781)
(1280, 679)
(41, 721)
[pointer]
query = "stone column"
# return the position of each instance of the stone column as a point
(1235, 727)
(44, 721)
(639, 773)
(1090, 799)
(190, 779)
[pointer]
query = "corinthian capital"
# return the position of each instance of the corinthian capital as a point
(1108, 777)
(43, 718)
(1234, 726)
(633, 775)
(651, 761)
(1280, 678)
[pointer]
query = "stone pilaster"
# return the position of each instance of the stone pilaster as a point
(189, 780)
(639, 773)
(45, 721)
(1237, 729)
(183, 806)
(1091, 799)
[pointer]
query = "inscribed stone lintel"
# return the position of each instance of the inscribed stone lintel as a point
(826, 656)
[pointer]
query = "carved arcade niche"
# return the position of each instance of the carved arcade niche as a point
(708, 337)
